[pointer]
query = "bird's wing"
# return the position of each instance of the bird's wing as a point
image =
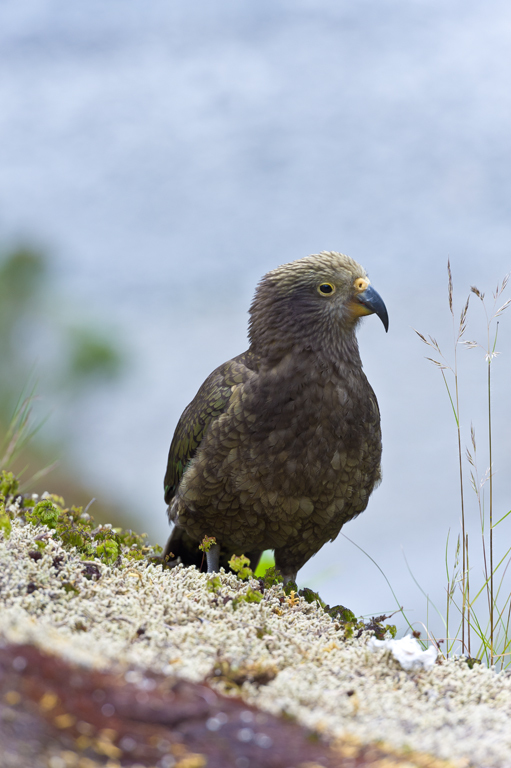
(209, 403)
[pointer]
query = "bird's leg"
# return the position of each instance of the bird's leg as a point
(285, 570)
(213, 558)
(287, 577)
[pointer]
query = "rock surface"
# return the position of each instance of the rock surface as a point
(56, 714)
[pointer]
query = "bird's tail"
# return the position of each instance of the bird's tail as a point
(180, 548)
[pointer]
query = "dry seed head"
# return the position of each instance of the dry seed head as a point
(486, 477)
(442, 366)
(463, 319)
(431, 343)
(502, 308)
(477, 292)
(434, 343)
(423, 338)
(501, 288)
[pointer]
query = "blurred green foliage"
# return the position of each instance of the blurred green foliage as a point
(52, 351)
(22, 277)
(91, 355)
(267, 561)
(41, 336)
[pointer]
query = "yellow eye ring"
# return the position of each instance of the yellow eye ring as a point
(326, 289)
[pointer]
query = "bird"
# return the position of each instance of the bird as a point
(281, 446)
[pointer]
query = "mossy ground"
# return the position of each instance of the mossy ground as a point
(75, 528)
(108, 601)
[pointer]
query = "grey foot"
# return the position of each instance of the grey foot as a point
(213, 558)
(289, 577)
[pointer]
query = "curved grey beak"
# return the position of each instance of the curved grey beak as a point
(373, 303)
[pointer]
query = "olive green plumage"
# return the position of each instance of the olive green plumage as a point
(281, 446)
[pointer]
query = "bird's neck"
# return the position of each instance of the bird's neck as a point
(337, 351)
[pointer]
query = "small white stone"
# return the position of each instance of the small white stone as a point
(263, 740)
(407, 651)
(213, 724)
(127, 744)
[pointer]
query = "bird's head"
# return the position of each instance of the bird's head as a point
(314, 303)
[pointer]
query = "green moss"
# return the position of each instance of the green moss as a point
(8, 484)
(109, 550)
(346, 619)
(214, 584)
(250, 596)
(290, 587)
(380, 629)
(241, 566)
(76, 529)
(271, 577)
(44, 513)
(206, 543)
(5, 520)
(312, 597)
(68, 587)
(253, 596)
(341, 613)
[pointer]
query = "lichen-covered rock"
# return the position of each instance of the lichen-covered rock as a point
(278, 653)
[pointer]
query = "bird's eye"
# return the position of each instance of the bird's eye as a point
(326, 289)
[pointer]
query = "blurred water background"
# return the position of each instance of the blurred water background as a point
(159, 158)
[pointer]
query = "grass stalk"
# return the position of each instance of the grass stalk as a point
(494, 637)
(468, 600)
(20, 431)
(456, 339)
(490, 354)
(492, 602)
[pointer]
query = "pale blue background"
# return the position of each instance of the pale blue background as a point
(168, 154)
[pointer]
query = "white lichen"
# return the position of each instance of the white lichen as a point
(178, 623)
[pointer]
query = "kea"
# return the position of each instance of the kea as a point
(281, 445)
